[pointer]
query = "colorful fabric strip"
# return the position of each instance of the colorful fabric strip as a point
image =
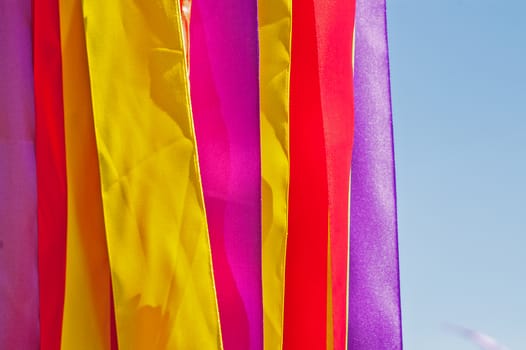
(19, 321)
(225, 101)
(87, 267)
(156, 228)
(274, 48)
(330, 306)
(374, 301)
(334, 33)
(186, 9)
(305, 325)
(51, 170)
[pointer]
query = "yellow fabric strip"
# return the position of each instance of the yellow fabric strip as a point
(86, 322)
(156, 228)
(274, 45)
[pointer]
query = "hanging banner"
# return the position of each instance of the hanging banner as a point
(374, 291)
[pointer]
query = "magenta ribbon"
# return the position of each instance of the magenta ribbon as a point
(374, 290)
(19, 324)
(225, 102)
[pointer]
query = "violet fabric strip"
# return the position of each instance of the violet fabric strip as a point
(225, 102)
(19, 327)
(374, 295)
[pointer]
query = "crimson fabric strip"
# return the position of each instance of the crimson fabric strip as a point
(305, 325)
(225, 102)
(374, 292)
(19, 325)
(51, 170)
(113, 326)
(335, 30)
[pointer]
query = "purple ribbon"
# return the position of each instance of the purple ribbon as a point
(374, 291)
(19, 325)
(225, 103)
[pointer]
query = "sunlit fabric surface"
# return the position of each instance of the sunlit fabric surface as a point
(156, 228)
(225, 102)
(19, 324)
(374, 298)
(305, 325)
(334, 34)
(274, 79)
(87, 268)
(119, 222)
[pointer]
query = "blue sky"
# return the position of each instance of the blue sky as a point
(458, 70)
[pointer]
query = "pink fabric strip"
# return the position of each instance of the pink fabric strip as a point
(225, 102)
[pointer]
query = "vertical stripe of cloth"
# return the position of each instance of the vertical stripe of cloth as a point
(87, 267)
(334, 33)
(51, 170)
(19, 323)
(274, 49)
(330, 318)
(374, 300)
(186, 9)
(305, 325)
(156, 230)
(225, 101)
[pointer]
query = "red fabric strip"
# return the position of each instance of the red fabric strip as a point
(305, 325)
(113, 325)
(51, 170)
(335, 28)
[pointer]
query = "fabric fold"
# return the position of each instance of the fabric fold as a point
(157, 237)
(87, 290)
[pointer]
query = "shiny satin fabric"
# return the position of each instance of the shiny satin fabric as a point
(156, 226)
(51, 170)
(87, 290)
(374, 293)
(334, 34)
(274, 79)
(225, 102)
(19, 300)
(306, 303)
